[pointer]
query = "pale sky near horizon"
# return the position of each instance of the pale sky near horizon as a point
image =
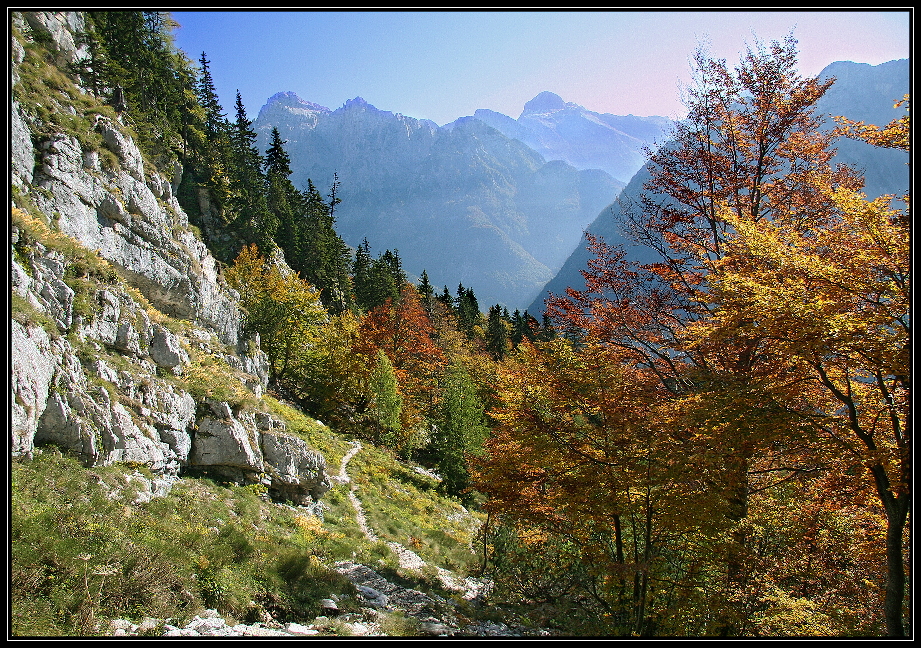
(441, 65)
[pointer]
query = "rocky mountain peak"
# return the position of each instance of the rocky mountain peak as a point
(546, 102)
(288, 101)
(357, 102)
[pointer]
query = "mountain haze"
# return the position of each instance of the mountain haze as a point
(861, 92)
(467, 202)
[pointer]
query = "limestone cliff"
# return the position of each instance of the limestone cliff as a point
(126, 346)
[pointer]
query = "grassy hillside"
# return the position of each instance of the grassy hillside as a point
(85, 550)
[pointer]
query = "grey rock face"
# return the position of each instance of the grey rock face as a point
(297, 471)
(34, 359)
(21, 150)
(59, 27)
(225, 443)
(165, 349)
(133, 220)
(104, 377)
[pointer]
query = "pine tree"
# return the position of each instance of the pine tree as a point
(137, 62)
(426, 292)
(468, 310)
(394, 265)
(361, 274)
(446, 299)
(215, 120)
(497, 333)
(459, 430)
(315, 249)
(253, 220)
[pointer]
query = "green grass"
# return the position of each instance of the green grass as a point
(80, 557)
(404, 506)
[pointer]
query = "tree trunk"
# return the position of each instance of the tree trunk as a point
(896, 508)
(737, 511)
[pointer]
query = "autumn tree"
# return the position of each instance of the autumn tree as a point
(578, 452)
(285, 311)
(749, 155)
(402, 330)
(833, 296)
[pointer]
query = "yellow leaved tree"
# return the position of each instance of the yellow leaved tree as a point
(831, 296)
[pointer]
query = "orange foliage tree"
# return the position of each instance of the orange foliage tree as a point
(768, 342)
(833, 297)
(402, 330)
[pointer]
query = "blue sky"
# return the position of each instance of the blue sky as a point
(441, 65)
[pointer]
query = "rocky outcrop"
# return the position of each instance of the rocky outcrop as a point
(297, 472)
(111, 389)
(117, 304)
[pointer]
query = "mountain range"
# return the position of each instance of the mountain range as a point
(490, 202)
(861, 92)
(561, 130)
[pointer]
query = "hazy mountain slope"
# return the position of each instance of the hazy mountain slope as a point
(861, 92)
(466, 203)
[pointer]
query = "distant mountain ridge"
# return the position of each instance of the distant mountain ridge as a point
(861, 91)
(561, 130)
(465, 202)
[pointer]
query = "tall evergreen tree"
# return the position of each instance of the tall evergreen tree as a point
(215, 119)
(524, 327)
(426, 292)
(468, 310)
(142, 70)
(323, 258)
(497, 333)
(255, 222)
(459, 430)
(394, 265)
(277, 161)
(361, 274)
(446, 299)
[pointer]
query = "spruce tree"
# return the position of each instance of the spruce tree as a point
(254, 222)
(497, 343)
(215, 119)
(426, 292)
(361, 275)
(459, 431)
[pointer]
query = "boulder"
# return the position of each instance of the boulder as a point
(34, 360)
(165, 349)
(298, 472)
(225, 443)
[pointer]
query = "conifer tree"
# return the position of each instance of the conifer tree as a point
(252, 218)
(446, 299)
(497, 333)
(459, 430)
(426, 292)
(212, 155)
(468, 309)
(361, 274)
(137, 62)
(215, 120)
